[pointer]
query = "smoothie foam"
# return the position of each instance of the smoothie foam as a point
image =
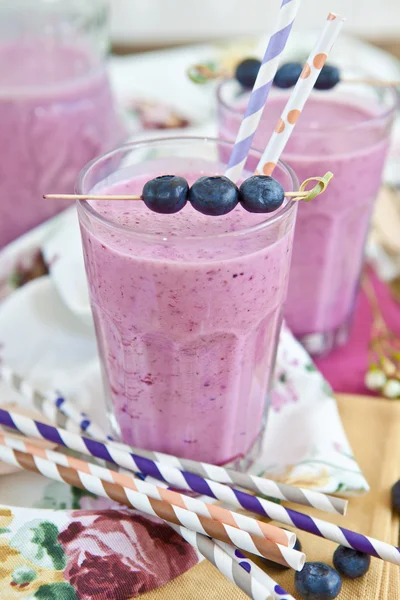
(187, 329)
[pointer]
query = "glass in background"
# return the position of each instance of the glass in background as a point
(346, 131)
(56, 106)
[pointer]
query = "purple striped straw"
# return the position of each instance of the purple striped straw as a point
(261, 89)
(183, 480)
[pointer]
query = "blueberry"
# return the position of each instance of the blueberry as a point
(318, 581)
(396, 497)
(287, 75)
(214, 196)
(351, 563)
(247, 71)
(166, 194)
(261, 194)
(328, 78)
(274, 565)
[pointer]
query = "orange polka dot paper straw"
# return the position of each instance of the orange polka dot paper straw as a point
(300, 94)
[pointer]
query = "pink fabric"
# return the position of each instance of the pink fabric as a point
(345, 367)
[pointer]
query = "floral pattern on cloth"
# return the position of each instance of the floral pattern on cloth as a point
(87, 554)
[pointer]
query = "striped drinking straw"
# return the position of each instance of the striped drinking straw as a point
(235, 571)
(64, 414)
(158, 492)
(236, 498)
(84, 478)
(261, 89)
(300, 94)
(52, 404)
(277, 592)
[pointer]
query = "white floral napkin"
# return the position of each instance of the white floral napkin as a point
(46, 334)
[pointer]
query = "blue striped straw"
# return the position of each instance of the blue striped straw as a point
(261, 89)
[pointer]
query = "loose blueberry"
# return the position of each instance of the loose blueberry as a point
(351, 563)
(166, 194)
(287, 75)
(277, 566)
(247, 71)
(328, 78)
(214, 196)
(261, 194)
(396, 497)
(318, 581)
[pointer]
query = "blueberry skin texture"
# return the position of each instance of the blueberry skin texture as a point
(287, 75)
(214, 196)
(351, 563)
(247, 71)
(166, 194)
(328, 78)
(261, 194)
(318, 581)
(396, 497)
(277, 566)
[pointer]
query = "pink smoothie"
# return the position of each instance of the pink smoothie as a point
(331, 230)
(187, 329)
(56, 114)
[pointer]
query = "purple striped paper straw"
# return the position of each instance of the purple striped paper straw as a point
(183, 480)
(261, 89)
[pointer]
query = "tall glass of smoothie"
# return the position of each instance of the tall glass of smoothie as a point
(56, 106)
(345, 130)
(187, 307)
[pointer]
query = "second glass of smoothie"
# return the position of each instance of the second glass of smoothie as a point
(346, 131)
(56, 106)
(187, 307)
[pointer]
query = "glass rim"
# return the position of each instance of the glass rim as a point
(306, 131)
(87, 208)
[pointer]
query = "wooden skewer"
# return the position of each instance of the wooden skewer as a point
(127, 197)
(89, 197)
